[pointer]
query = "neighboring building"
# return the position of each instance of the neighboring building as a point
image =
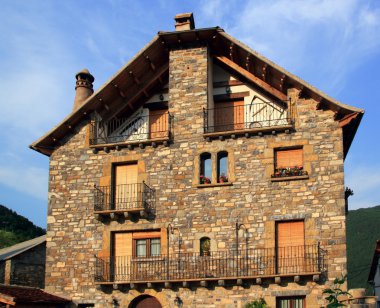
(200, 175)
(374, 273)
(21, 296)
(24, 263)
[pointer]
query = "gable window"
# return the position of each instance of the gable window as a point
(222, 167)
(290, 302)
(205, 170)
(288, 162)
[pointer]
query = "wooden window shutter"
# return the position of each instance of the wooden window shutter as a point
(290, 234)
(158, 124)
(229, 115)
(122, 244)
(289, 158)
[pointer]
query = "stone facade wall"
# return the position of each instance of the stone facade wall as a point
(28, 268)
(74, 236)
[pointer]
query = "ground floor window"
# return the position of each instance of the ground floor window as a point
(291, 302)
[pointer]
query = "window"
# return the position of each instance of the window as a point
(222, 167)
(158, 123)
(147, 247)
(290, 240)
(126, 187)
(205, 170)
(290, 302)
(205, 246)
(288, 162)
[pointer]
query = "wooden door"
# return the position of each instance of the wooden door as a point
(229, 116)
(122, 249)
(158, 124)
(290, 247)
(127, 189)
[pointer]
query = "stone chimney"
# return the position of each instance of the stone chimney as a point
(184, 21)
(83, 87)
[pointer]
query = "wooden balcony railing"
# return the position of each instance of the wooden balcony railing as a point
(244, 264)
(247, 117)
(124, 198)
(131, 130)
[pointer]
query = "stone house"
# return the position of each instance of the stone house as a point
(201, 175)
(24, 263)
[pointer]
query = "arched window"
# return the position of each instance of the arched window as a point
(222, 165)
(205, 170)
(205, 246)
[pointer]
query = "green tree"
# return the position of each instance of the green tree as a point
(257, 303)
(334, 292)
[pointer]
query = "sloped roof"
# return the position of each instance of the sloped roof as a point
(150, 66)
(12, 295)
(9, 252)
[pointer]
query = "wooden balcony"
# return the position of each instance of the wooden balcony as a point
(231, 120)
(124, 200)
(140, 129)
(223, 267)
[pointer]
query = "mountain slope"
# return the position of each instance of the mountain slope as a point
(15, 228)
(363, 229)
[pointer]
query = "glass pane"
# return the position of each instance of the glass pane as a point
(222, 167)
(141, 248)
(155, 247)
(205, 168)
(298, 303)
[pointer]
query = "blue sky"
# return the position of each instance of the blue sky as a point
(334, 45)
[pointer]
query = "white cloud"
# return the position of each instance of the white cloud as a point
(325, 40)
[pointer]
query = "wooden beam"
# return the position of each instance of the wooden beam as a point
(252, 78)
(136, 80)
(232, 51)
(220, 84)
(151, 64)
(264, 71)
(230, 96)
(347, 119)
(138, 93)
(282, 80)
(247, 63)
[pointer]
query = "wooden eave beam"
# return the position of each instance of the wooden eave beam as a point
(142, 90)
(252, 78)
(8, 300)
(347, 119)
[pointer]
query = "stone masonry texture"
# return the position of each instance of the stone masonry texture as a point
(74, 236)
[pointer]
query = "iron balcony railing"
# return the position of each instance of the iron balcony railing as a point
(217, 265)
(156, 126)
(124, 197)
(246, 117)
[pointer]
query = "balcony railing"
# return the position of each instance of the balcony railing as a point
(124, 198)
(245, 117)
(131, 129)
(250, 263)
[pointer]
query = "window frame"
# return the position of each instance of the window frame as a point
(291, 298)
(291, 170)
(202, 167)
(148, 247)
(219, 156)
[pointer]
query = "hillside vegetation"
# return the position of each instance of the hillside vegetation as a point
(363, 229)
(15, 228)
